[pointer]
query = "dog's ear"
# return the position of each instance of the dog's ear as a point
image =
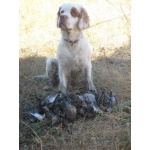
(84, 21)
(58, 14)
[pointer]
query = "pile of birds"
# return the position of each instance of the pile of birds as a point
(59, 108)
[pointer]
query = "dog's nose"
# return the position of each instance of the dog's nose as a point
(63, 17)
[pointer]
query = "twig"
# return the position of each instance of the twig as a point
(107, 20)
(125, 15)
(34, 133)
(119, 10)
(110, 3)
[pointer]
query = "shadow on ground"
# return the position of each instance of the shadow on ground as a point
(112, 73)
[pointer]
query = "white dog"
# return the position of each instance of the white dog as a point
(74, 52)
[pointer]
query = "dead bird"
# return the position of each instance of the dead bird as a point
(92, 106)
(59, 108)
(81, 112)
(90, 100)
(65, 109)
(77, 101)
(51, 100)
(80, 104)
(35, 114)
(53, 118)
(85, 103)
(107, 100)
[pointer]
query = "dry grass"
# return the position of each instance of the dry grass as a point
(110, 42)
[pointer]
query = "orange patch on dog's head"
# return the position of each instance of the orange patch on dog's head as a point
(84, 21)
(85, 15)
(74, 12)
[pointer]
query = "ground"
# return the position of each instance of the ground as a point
(110, 41)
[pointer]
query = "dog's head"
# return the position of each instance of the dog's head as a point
(72, 16)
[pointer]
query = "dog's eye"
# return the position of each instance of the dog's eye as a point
(62, 11)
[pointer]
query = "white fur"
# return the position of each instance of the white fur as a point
(72, 58)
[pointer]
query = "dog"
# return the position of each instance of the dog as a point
(73, 52)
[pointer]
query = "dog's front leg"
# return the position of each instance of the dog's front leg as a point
(89, 79)
(63, 80)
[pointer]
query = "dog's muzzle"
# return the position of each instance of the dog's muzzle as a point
(63, 23)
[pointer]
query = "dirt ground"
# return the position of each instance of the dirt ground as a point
(111, 45)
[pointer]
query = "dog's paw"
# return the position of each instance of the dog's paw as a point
(62, 89)
(93, 89)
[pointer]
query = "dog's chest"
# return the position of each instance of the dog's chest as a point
(73, 58)
(76, 59)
